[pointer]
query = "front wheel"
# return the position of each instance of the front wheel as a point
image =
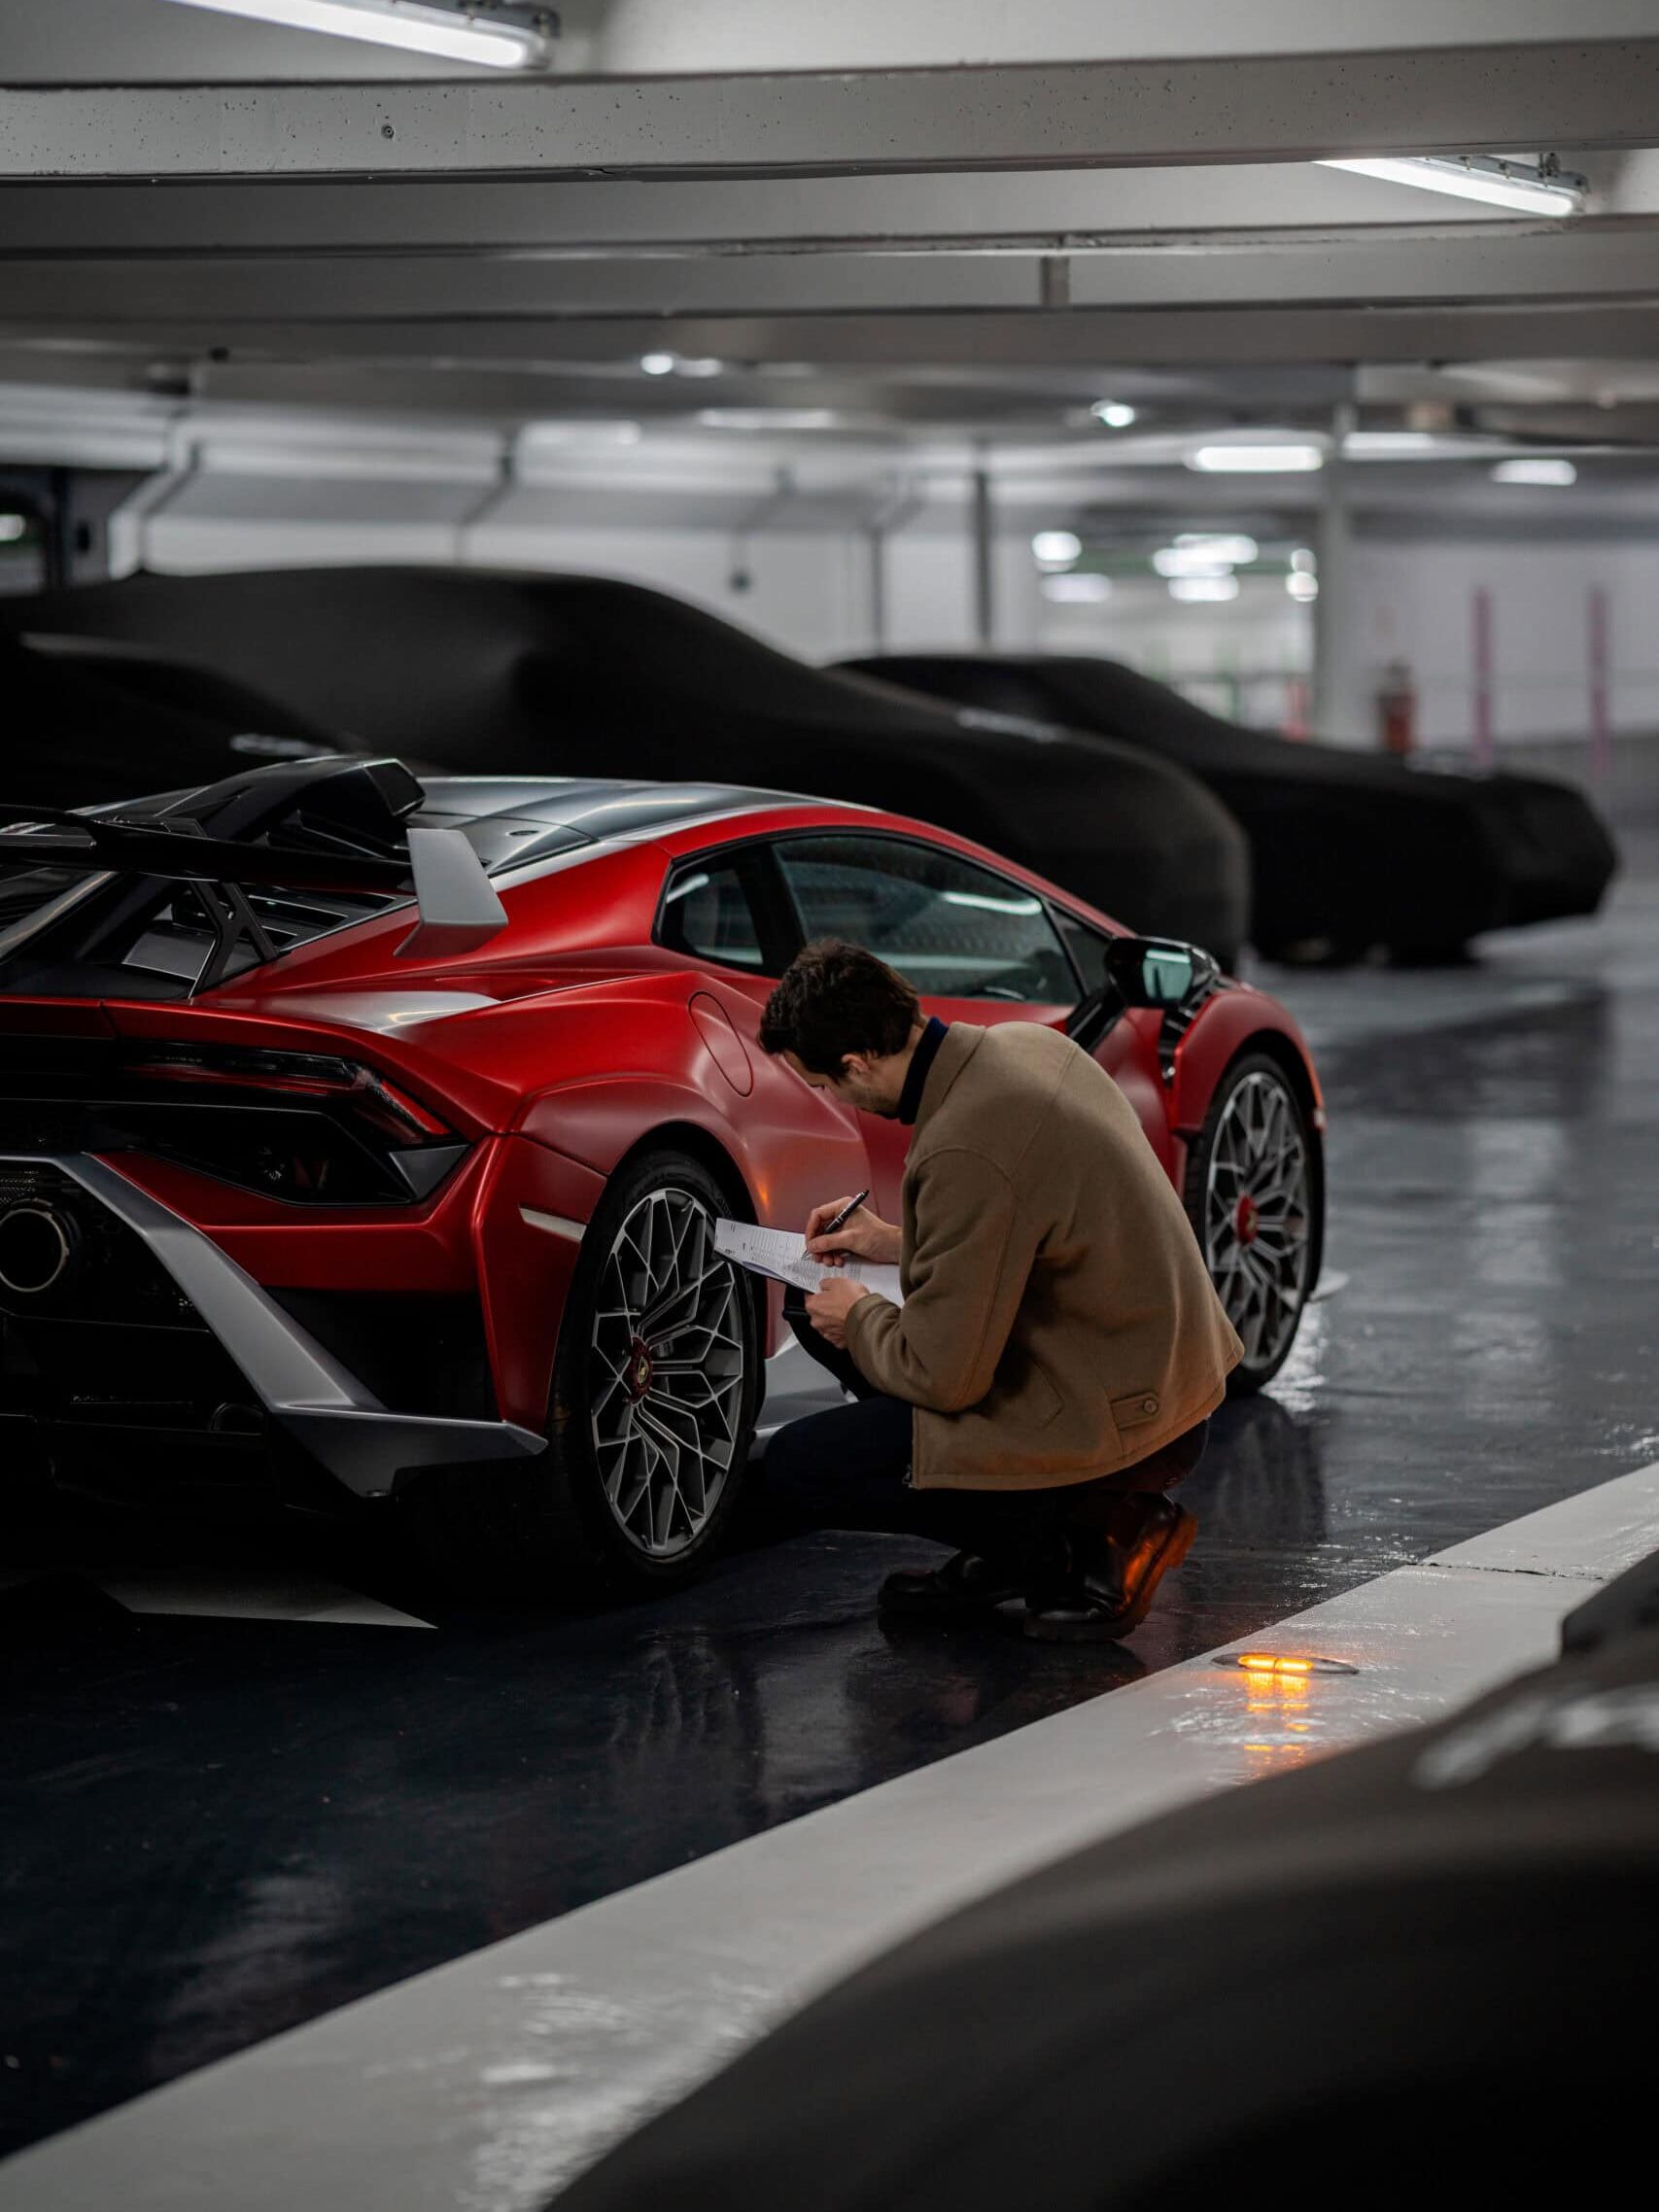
(1253, 1196)
(656, 1386)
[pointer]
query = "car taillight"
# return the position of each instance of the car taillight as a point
(302, 1075)
(306, 1127)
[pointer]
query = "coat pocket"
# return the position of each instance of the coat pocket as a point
(1040, 1402)
(1136, 1406)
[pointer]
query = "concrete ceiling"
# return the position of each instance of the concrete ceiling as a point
(959, 221)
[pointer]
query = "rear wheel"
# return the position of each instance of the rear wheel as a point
(1253, 1196)
(656, 1386)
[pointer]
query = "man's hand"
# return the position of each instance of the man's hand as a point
(830, 1304)
(863, 1236)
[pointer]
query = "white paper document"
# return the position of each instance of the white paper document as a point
(781, 1255)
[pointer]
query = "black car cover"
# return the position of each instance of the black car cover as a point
(552, 675)
(1421, 1971)
(1351, 848)
(90, 723)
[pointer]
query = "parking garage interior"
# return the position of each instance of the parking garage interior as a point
(757, 400)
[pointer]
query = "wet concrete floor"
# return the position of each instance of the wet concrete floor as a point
(216, 1828)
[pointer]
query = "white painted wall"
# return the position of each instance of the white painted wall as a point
(1419, 605)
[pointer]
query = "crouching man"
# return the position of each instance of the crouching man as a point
(1050, 1374)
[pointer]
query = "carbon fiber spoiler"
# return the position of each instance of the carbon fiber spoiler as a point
(457, 904)
(108, 842)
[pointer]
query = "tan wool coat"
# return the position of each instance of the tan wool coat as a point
(1059, 1319)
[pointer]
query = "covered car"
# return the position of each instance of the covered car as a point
(1351, 849)
(1416, 1970)
(95, 719)
(569, 674)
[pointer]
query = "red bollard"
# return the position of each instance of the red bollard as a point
(1396, 710)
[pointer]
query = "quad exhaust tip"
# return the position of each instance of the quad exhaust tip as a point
(37, 1245)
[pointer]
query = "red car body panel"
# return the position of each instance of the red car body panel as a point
(559, 1051)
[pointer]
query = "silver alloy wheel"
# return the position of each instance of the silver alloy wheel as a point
(1258, 1215)
(667, 1372)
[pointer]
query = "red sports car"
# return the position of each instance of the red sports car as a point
(368, 1135)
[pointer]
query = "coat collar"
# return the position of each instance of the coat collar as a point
(915, 1075)
(956, 1047)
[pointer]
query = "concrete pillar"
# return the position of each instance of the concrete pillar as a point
(1343, 712)
(985, 594)
(876, 538)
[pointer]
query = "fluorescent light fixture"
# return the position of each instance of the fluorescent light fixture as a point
(12, 527)
(1113, 413)
(1520, 186)
(1256, 459)
(1188, 560)
(1079, 590)
(418, 29)
(1229, 547)
(1386, 445)
(680, 365)
(1302, 586)
(1192, 590)
(576, 429)
(1542, 470)
(769, 418)
(1302, 560)
(1200, 553)
(1055, 548)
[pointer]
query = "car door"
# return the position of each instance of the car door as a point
(977, 946)
(725, 911)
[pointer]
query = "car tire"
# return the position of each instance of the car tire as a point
(1255, 1195)
(593, 1518)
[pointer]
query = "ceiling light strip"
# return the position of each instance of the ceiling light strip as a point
(404, 23)
(1517, 185)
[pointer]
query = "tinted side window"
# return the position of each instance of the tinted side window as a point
(707, 912)
(954, 929)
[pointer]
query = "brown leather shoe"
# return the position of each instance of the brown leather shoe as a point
(1119, 1575)
(965, 1588)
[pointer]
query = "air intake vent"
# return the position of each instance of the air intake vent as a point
(180, 938)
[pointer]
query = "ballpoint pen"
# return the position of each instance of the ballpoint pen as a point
(844, 1217)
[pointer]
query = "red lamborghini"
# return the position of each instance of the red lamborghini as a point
(367, 1135)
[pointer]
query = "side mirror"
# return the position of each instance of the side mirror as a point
(1157, 971)
(1141, 971)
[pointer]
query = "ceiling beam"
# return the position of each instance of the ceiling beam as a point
(1104, 113)
(1088, 338)
(1614, 261)
(1044, 210)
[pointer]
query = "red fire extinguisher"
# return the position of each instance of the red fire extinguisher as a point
(1396, 710)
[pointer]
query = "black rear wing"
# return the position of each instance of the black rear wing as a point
(185, 855)
(344, 804)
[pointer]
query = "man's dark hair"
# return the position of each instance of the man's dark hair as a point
(835, 999)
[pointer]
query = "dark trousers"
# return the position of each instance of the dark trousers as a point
(849, 1469)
